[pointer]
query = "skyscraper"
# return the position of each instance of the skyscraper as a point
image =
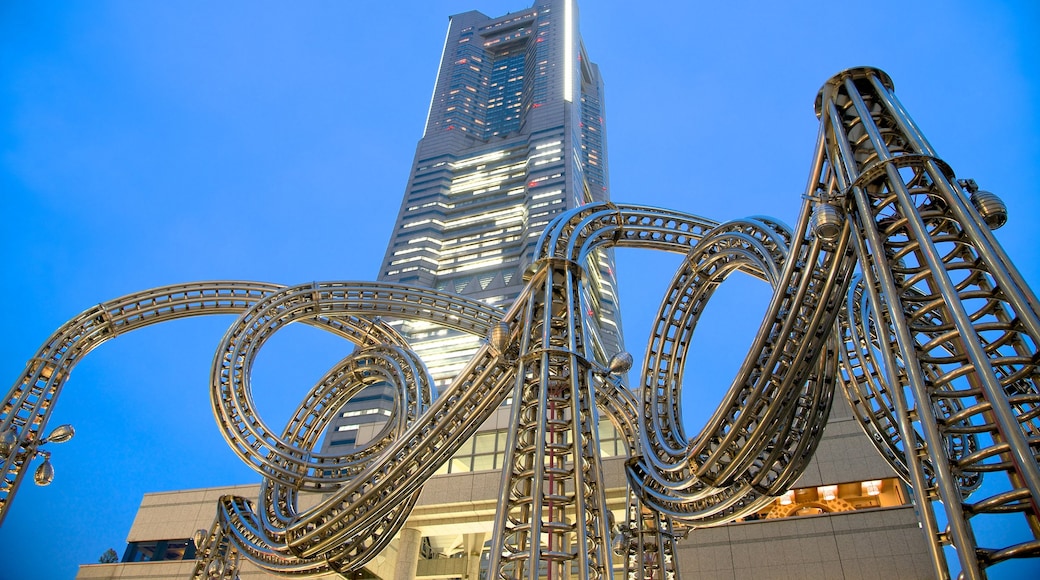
(515, 135)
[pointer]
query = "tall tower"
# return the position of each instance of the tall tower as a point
(515, 135)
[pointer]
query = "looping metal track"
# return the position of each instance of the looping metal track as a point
(890, 284)
(763, 433)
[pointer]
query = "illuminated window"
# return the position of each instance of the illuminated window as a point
(836, 498)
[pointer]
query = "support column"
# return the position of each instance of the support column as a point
(474, 545)
(408, 546)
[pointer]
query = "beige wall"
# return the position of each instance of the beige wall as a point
(878, 544)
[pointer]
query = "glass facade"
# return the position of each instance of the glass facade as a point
(159, 550)
(486, 450)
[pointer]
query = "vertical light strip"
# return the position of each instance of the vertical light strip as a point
(568, 50)
(436, 81)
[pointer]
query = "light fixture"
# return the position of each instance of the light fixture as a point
(201, 535)
(826, 221)
(8, 441)
(45, 472)
(872, 487)
(827, 492)
(989, 205)
(60, 434)
(787, 498)
(498, 337)
(215, 569)
(620, 363)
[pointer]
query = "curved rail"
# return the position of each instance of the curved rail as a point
(29, 402)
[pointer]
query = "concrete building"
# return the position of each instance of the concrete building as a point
(516, 135)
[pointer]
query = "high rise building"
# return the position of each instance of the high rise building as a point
(515, 135)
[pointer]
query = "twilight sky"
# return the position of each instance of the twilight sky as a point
(148, 143)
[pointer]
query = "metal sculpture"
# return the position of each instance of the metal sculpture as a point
(891, 285)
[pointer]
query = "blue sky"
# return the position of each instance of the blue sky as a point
(148, 143)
